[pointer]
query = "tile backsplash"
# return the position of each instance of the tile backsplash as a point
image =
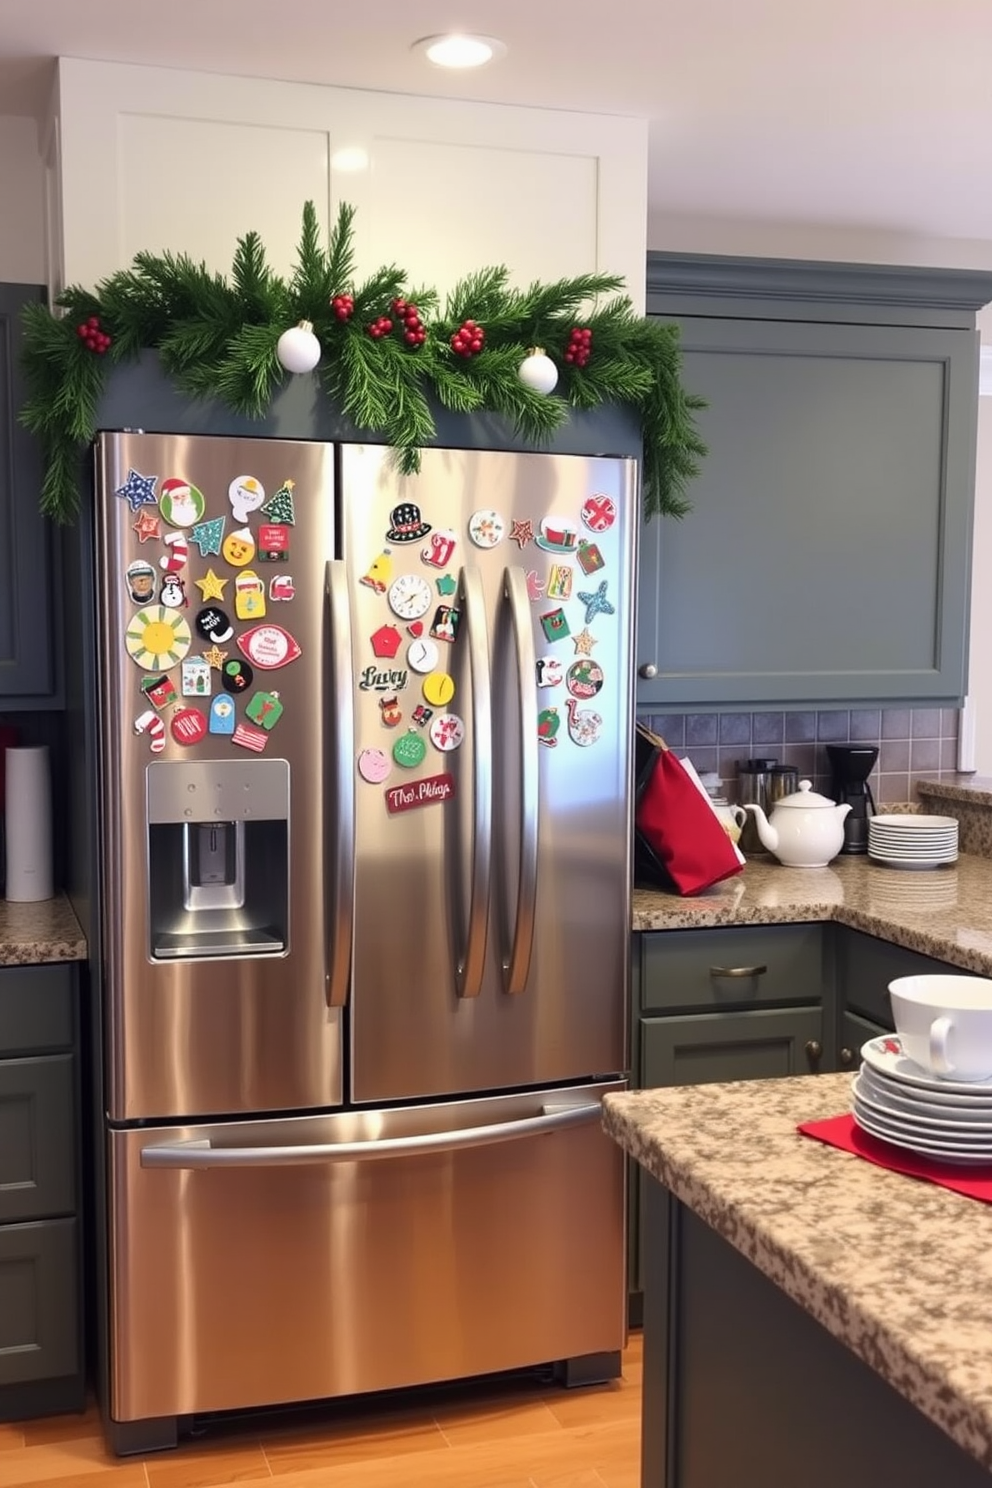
(912, 742)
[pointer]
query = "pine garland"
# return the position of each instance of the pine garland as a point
(218, 339)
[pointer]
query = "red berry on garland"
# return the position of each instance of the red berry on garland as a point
(579, 348)
(468, 340)
(93, 337)
(343, 306)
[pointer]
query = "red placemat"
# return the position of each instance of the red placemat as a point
(843, 1132)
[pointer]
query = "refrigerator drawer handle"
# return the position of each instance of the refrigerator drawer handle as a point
(471, 967)
(340, 851)
(200, 1154)
(516, 966)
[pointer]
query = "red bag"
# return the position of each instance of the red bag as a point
(677, 823)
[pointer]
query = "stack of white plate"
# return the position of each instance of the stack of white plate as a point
(912, 841)
(897, 1101)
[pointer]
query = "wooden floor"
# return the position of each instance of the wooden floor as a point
(518, 1434)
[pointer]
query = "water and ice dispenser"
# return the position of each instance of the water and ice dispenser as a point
(218, 858)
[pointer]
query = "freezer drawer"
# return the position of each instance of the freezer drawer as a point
(258, 1261)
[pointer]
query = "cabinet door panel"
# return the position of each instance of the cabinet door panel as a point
(39, 1301)
(825, 558)
(704, 1047)
(37, 1149)
(866, 966)
(855, 1032)
(27, 666)
(36, 1008)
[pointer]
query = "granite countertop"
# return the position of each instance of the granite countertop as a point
(942, 912)
(45, 931)
(898, 1270)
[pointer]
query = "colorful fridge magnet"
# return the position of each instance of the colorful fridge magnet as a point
(555, 624)
(585, 678)
(180, 503)
(188, 726)
(548, 724)
(269, 646)
(589, 556)
(584, 726)
(596, 603)
(599, 513)
(550, 671)
(172, 593)
(447, 732)
(422, 716)
(438, 552)
(273, 542)
(409, 750)
(535, 586)
(444, 626)
(157, 638)
(559, 584)
(146, 526)
(160, 690)
(222, 715)
(421, 656)
(386, 679)
(249, 595)
(374, 766)
(213, 625)
(409, 596)
(196, 677)
(139, 581)
(149, 723)
(557, 535)
(280, 506)
(215, 657)
(250, 737)
(446, 585)
(391, 712)
(486, 528)
(522, 532)
(415, 629)
(406, 524)
(238, 548)
(236, 676)
(438, 689)
(175, 558)
(138, 490)
(379, 573)
(208, 535)
(386, 641)
(584, 642)
(281, 587)
(211, 586)
(265, 709)
(246, 495)
(433, 790)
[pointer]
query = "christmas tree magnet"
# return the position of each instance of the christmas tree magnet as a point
(280, 507)
(409, 750)
(208, 535)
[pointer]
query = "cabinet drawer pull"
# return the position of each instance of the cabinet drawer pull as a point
(737, 971)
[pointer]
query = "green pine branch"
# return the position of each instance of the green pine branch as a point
(216, 337)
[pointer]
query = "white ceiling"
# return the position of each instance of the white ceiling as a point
(866, 115)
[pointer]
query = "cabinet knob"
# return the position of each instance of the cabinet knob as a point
(647, 670)
(847, 1057)
(814, 1052)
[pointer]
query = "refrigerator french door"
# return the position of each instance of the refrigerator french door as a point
(365, 893)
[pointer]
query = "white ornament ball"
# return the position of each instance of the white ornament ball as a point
(539, 372)
(298, 348)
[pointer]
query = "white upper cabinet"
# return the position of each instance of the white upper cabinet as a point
(154, 159)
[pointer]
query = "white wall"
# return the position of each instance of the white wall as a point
(22, 218)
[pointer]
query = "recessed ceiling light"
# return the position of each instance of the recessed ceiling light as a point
(460, 51)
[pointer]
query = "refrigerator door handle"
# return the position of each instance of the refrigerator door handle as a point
(202, 1154)
(471, 967)
(342, 850)
(516, 967)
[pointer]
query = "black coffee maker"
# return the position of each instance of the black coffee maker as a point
(850, 765)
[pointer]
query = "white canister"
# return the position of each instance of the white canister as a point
(28, 826)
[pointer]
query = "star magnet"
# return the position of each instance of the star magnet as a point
(138, 490)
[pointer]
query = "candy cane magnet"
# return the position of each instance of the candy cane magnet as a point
(174, 560)
(149, 723)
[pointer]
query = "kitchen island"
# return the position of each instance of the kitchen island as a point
(811, 1320)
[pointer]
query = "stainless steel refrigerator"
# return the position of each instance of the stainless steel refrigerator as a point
(364, 778)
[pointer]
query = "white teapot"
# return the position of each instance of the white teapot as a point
(805, 831)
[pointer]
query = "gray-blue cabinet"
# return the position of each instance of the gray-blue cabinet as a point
(29, 677)
(826, 559)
